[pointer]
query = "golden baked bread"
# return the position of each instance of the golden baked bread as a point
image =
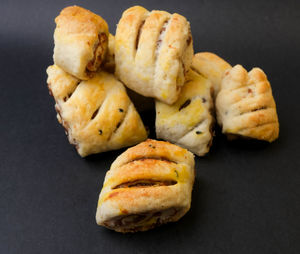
(212, 67)
(188, 122)
(153, 52)
(109, 63)
(245, 105)
(97, 114)
(148, 185)
(81, 39)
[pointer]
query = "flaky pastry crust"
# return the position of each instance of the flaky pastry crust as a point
(153, 52)
(148, 185)
(245, 105)
(97, 114)
(212, 67)
(188, 122)
(81, 40)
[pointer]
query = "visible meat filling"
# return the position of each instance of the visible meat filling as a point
(99, 53)
(161, 37)
(143, 221)
(152, 158)
(145, 183)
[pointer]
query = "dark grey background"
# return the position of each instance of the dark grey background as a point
(246, 195)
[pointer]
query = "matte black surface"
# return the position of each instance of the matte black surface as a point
(246, 195)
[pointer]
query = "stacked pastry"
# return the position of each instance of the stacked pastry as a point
(91, 104)
(152, 55)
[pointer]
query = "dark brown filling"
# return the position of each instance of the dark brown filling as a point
(260, 108)
(142, 221)
(152, 158)
(145, 183)
(163, 29)
(99, 51)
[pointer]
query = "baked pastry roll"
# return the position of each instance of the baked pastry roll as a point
(245, 105)
(81, 39)
(153, 51)
(188, 122)
(148, 185)
(97, 114)
(212, 67)
(109, 63)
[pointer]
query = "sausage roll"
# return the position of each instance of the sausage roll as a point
(212, 67)
(153, 51)
(97, 114)
(148, 185)
(109, 63)
(81, 39)
(245, 105)
(188, 122)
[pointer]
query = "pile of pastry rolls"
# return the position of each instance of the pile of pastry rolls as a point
(150, 56)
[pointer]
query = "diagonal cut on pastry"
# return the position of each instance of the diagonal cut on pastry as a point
(97, 114)
(153, 52)
(245, 105)
(188, 122)
(212, 67)
(148, 185)
(81, 41)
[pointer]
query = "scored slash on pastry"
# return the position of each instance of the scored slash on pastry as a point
(153, 52)
(245, 105)
(148, 185)
(97, 114)
(188, 122)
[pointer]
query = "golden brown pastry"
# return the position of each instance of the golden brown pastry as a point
(97, 114)
(148, 185)
(188, 122)
(109, 63)
(153, 52)
(212, 67)
(245, 105)
(81, 39)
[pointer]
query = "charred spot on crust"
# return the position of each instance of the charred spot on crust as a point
(185, 104)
